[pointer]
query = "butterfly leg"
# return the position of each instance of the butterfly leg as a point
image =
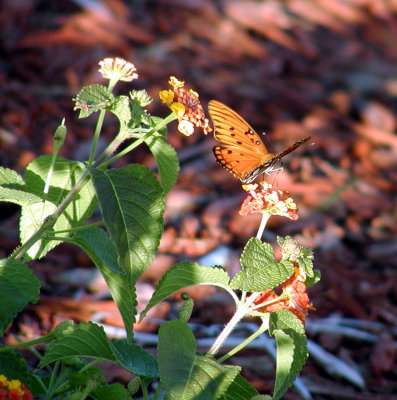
(269, 170)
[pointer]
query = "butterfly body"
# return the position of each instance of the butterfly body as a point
(242, 151)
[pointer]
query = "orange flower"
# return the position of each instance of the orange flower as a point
(13, 390)
(267, 200)
(186, 106)
(293, 297)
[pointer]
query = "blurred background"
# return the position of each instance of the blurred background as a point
(293, 68)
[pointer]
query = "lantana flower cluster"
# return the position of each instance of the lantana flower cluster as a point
(263, 198)
(117, 69)
(13, 390)
(186, 106)
(293, 296)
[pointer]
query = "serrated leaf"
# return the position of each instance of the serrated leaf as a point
(66, 174)
(260, 269)
(183, 275)
(166, 159)
(140, 116)
(93, 98)
(13, 189)
(310, 281)
(103, 254)
(240, 389)
(82, 340)
(13, 366)
(135, 359)
(18, 195)
(292, 353)
(8, 176)
(186, 375)
(18, 287)
(132, 205)
(306, 262)
(121, 109)
(114, 391)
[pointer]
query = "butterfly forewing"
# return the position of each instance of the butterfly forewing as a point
(231, 129)
(242, 151)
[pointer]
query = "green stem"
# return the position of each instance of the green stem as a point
(79, 228)
(42, 339)
(158, 390)
(265, 218)
(137, 142)
(50, 389)
(98, 127)
(90, 364)
(51, 219)
(263, 328)
(95, 140)
(48, 223)
(283, 296)
(145, 392)
(241, 311)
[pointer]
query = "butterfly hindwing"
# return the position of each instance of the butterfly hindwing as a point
(238, 163)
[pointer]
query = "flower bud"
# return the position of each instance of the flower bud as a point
(134, 385)
(60, 135)
(186, 310)
(141, 97)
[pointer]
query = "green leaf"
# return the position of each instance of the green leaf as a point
(239, 389)
(186, 274)
(139, 117)
(167, 160)
(18, 195)
(13, 190)
(260, 269)
(114, 391)
(135, 359)
(8, 176)
(66, 174)
(88, 340)
(93, 98)
(186, 375)
(121, 109)
(18, 287)
(306, 262)
(13, 366)
(292, 250)
(310, 281)
(103, 254)
(289, 333)
(82, 340)
(132, 205)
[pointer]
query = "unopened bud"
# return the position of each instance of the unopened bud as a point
(59, 136)
(134, 385)
(186, 310)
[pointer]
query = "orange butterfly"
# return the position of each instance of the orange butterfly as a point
(242, 151)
